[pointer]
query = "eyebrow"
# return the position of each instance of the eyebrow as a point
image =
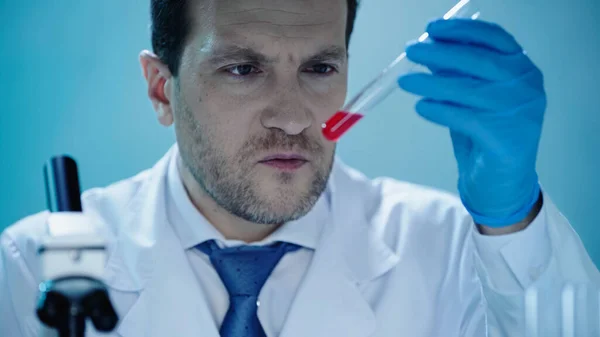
(237, 53)
(330, 53)
(246, 54)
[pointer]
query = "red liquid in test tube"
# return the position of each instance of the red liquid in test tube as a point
(339, 123)
(384, 83)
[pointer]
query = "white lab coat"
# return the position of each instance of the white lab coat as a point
(395, 260)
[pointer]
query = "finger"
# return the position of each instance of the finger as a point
(472, 92)
(463, 120)
(454, 89)
(458, 118)
(470, 60)
(478, 32)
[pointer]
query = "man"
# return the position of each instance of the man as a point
(250, 226)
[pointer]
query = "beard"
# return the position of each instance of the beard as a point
(233, 184)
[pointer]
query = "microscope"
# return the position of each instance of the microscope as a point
(72, 256)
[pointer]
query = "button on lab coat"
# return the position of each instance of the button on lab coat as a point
(396, 259)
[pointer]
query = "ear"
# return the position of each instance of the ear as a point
(159, 80)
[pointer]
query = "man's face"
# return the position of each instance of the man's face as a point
(257, 80)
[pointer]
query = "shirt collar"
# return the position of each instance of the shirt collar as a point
(193, 228)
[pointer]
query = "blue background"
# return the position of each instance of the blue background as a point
(70, 82)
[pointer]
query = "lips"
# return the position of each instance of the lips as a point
(284, 161)
(282, 156)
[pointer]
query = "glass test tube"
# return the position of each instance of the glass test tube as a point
(380, 87)
(567, 310)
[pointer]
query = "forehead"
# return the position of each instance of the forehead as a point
(263, 24)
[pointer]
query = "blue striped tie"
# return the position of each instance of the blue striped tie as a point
(244, 270)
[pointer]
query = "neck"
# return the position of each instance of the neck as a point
(230, 226)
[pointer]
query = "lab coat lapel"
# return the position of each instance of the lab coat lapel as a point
(149, 259)
(329, 301)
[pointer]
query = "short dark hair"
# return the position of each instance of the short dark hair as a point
(171, 26)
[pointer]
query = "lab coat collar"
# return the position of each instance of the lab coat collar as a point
(350, 253)
(149, 259)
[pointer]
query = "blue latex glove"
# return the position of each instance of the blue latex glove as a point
(491, 96)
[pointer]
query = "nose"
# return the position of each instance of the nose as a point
(287, 113)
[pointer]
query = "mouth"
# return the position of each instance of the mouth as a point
(286, 162)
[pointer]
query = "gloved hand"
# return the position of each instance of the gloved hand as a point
(487, 91)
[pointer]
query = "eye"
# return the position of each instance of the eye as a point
(321, 69)
(242, 70)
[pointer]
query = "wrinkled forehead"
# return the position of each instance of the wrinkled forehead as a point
(268, 25)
